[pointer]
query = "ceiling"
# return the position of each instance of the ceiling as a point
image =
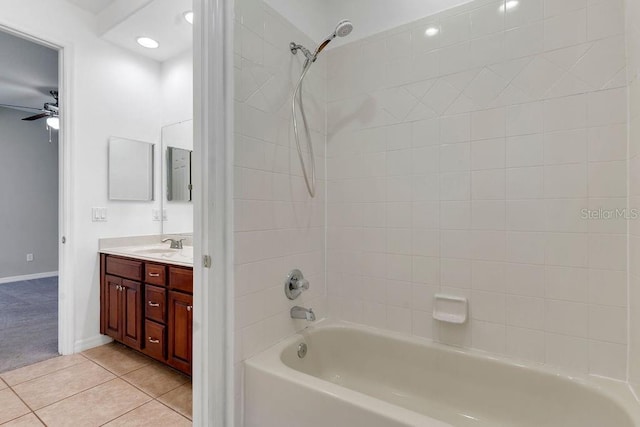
(29, 72)
(163, 21)
(93, 6)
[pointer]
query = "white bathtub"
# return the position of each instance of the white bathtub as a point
(358, 376)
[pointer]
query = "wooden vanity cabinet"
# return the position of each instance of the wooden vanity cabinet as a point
(149, 307)
(121, 306)
(180, 330)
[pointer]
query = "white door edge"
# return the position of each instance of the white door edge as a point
(213, 375)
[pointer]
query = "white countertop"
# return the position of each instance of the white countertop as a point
(156, 253)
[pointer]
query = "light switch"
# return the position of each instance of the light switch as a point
(99, 214)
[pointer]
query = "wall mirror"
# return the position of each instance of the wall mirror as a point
(130, 170)
(178, 174)
(177, 153)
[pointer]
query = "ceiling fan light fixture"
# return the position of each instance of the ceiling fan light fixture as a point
(53, 123)
(188, 16)
(148, 42)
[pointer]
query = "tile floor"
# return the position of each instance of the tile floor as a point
(109, 385)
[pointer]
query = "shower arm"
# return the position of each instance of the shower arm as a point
(294, 47)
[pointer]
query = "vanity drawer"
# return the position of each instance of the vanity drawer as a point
(181, 279)
(155, 274)
(126, 268)
(155, 307)
(154, 344)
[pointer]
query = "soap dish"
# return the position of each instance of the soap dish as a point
(450, 309)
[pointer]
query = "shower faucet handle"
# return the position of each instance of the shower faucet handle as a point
(295, 284)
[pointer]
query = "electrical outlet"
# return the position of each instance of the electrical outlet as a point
(164, 214)
(29, 257)
(155, 214)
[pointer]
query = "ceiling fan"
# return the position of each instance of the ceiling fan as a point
(50, 110)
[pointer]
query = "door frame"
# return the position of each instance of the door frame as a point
(66, 317)
(213, 367)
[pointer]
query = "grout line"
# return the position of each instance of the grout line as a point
(115, 377)
(40, 376)
(177, 412)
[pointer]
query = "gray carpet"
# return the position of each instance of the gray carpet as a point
(28, 322)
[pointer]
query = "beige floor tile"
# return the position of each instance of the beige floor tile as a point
(94, 407)
(180, 399)
(36, 370)
(58, 385)
(117, 358)
(155, 379)
(29, 420)
(152, 414)
(11, 406)
(3, 385)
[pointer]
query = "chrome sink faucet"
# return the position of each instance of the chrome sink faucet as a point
(307, 314)
(175, 243)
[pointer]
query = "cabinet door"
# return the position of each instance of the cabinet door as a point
(132, 314)
(112, 306)
(180, 330)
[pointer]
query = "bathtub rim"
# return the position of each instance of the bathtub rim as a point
(269, 361)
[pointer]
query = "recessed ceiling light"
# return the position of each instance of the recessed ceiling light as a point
(431, 31)
(147, 42)
(508, 5)
(188, 16)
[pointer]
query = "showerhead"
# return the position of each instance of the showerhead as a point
(343, 29)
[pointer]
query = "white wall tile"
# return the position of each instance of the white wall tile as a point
(488, 154)
(525, 312)
(469, 173)
(526, 150)
(565, 30)
(488, 124)
(525, 344)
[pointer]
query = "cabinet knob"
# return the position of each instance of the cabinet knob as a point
(154, 304)
(154, 341)
(189, 307)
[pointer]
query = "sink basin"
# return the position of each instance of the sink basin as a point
(156, 251)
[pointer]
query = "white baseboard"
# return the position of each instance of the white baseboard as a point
(27, 277)
(88, 343)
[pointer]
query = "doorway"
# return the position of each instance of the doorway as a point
(30, 172)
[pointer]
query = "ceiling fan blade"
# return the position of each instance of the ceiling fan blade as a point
(36, 117)
(20, 107)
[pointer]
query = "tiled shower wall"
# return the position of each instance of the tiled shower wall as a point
(464, 163)
(633, 55)
(277, 226)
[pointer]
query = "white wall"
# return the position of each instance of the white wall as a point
(277, 227)
(177, 107)
(29, 196)
(177, 89)
(633, 55)
(461, 163)
(309, 16)
(113, 93)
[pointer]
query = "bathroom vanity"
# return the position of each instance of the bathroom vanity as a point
(146, 303)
